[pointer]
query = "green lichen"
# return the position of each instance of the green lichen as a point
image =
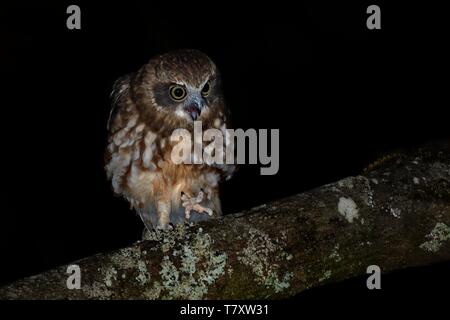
(435, 184)
(143, 276)
(110, 275)
(439, 234)
(167, 238)
(130, 260)
(192, 267)
(346, 182)
(230, 270)
(264, 255)
(97, 291)
(126, 258)
(348, 208)
(325, 276)
(335, 254)
(189, 266)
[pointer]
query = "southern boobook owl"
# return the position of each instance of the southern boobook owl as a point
(171, 91)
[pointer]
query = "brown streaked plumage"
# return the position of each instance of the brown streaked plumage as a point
(145, 112)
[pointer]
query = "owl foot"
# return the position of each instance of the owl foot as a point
(193, 203)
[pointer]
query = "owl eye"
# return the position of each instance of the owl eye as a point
(177, 93)
(206, 89)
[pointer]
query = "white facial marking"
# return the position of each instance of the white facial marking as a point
(180, 113)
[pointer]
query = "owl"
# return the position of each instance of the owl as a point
(171, 91)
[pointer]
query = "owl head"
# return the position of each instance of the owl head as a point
(182, 85)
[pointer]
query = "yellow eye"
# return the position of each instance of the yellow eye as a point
(177, 93)
(206, 89)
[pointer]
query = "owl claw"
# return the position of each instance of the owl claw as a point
(193, 203)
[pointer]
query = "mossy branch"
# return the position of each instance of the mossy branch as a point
(396, 215)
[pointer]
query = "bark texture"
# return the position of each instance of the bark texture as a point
(395, 215)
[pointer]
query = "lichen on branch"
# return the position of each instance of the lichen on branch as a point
(395, 215)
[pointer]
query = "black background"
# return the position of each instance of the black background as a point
(341, 95)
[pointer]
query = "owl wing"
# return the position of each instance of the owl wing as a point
(226, 170)
(118, 95)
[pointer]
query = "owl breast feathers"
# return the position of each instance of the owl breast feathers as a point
(170, 92)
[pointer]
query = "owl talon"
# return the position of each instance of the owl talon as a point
(193, 203)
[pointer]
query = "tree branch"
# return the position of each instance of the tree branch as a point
(396, 215)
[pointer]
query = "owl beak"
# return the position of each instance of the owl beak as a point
(194, 110)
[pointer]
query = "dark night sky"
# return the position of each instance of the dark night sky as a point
(340, 94)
